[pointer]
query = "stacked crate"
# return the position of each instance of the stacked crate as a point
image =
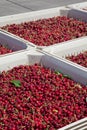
(52, 56)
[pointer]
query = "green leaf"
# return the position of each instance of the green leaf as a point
(67, 76)
(16, 83)
(57, 72)
(64, 75)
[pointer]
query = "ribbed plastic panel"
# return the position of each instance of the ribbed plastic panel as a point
(78, 125)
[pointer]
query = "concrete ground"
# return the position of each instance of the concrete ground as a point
(9, 7)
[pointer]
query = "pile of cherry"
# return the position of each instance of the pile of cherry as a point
(80, 59)
(4, 50)
(45, 32)
(37, 98)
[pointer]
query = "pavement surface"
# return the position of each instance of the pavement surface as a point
(10, 7)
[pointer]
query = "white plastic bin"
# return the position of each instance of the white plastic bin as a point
(36, 15)
(54, 63)
(70, 48)
(13, 43)
(78, 6)
(79, 9)
(47, 60)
